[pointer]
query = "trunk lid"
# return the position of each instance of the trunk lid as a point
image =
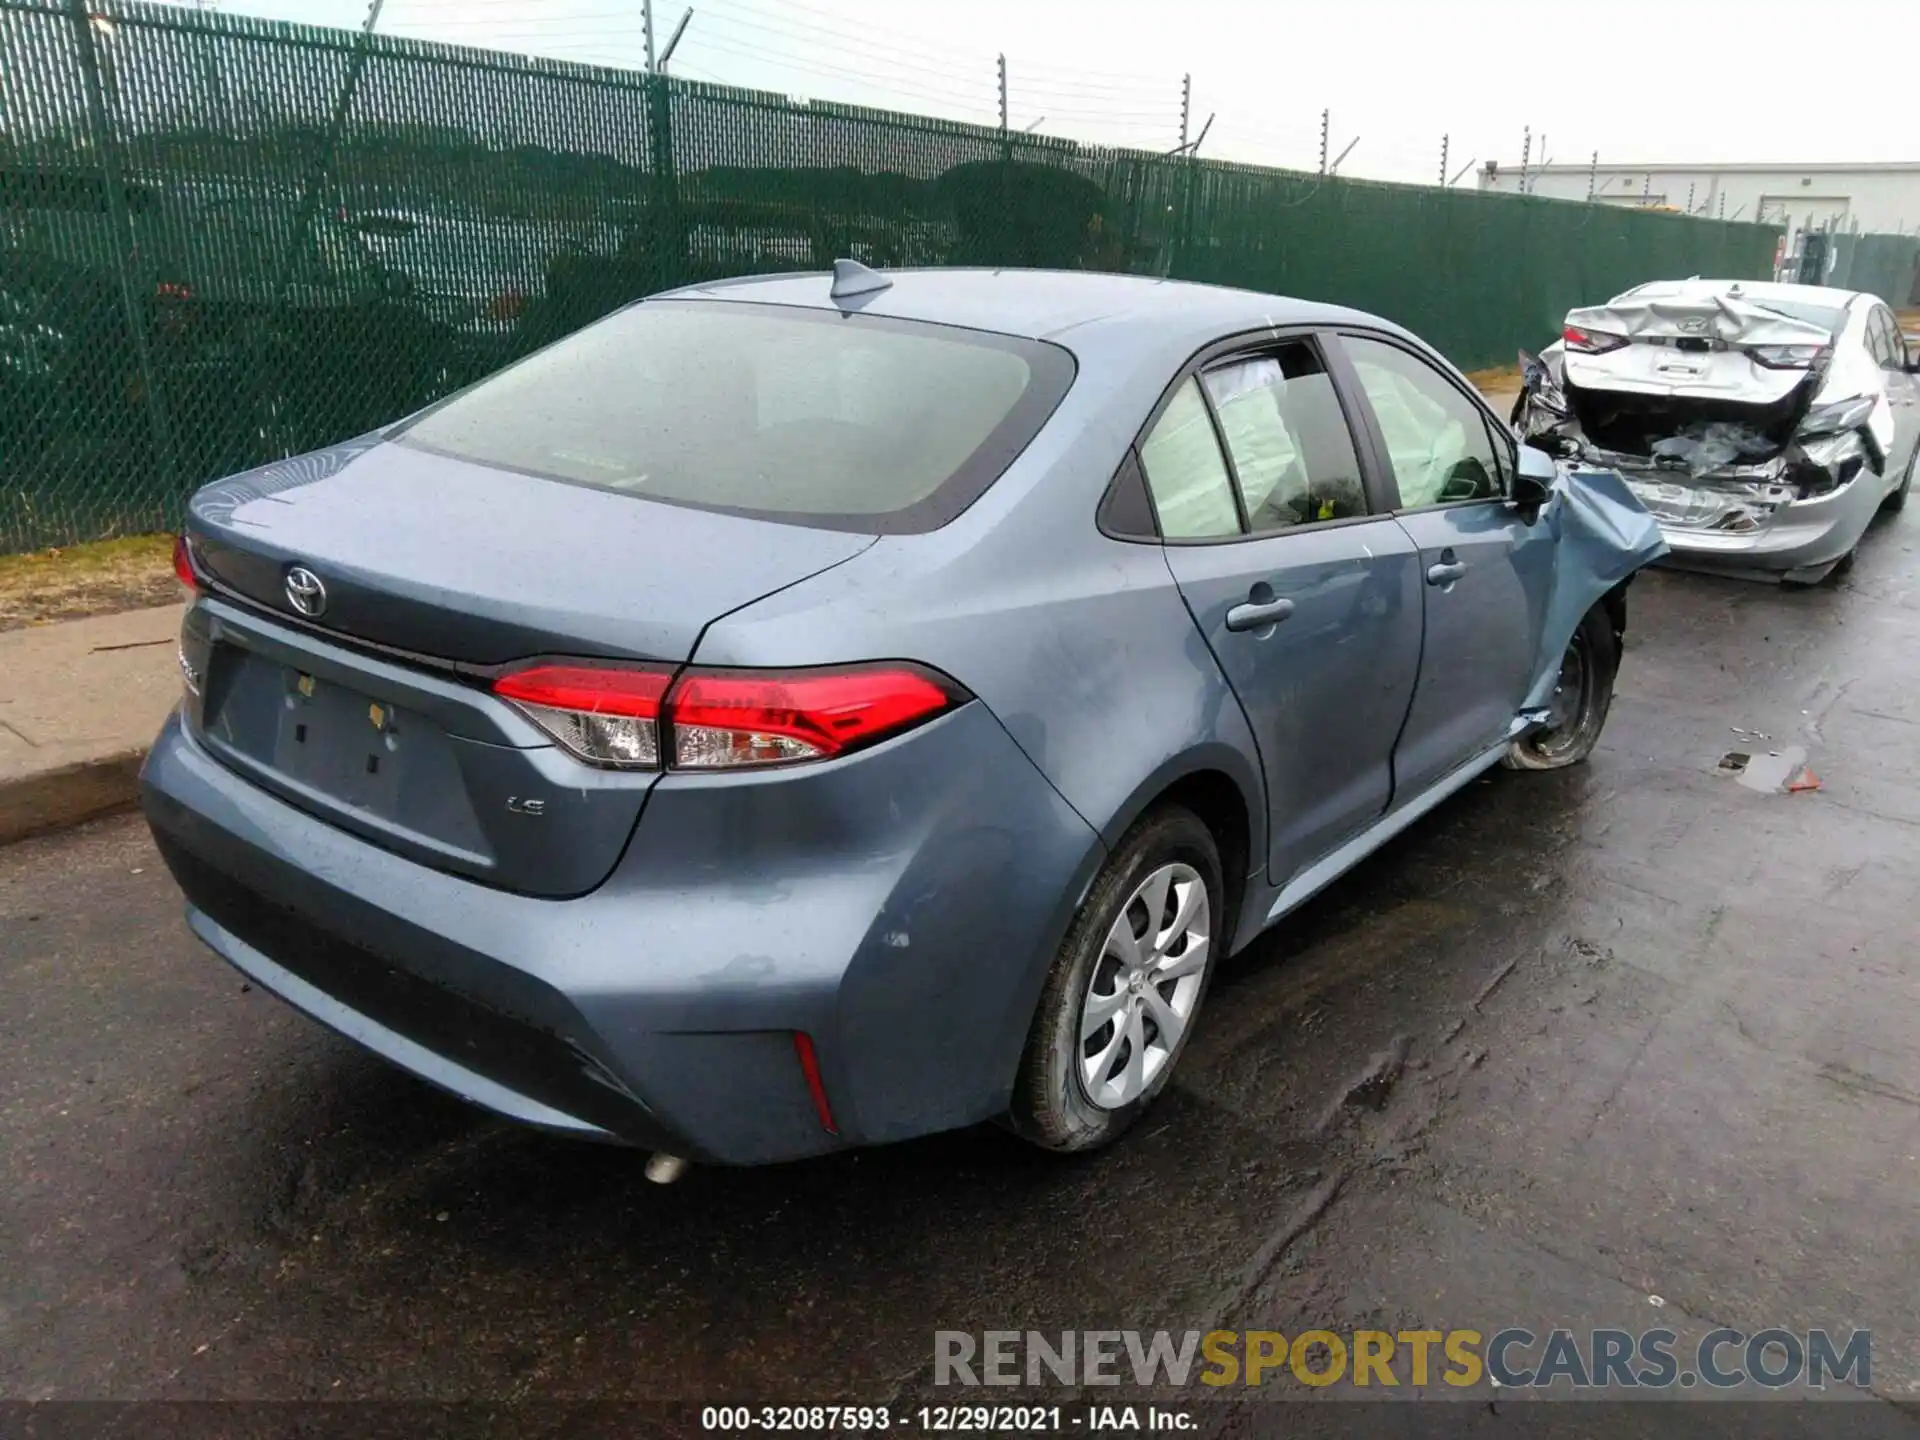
(374, 715)
(1690, 346)
(462, 562)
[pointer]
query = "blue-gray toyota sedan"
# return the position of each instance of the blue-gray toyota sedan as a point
(813, 711)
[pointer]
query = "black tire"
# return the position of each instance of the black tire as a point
(1588, 667)
(1897, 501)
(1052, 1105)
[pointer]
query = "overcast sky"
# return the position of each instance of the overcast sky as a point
(1638, 80)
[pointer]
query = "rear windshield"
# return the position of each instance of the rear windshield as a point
(843, 421)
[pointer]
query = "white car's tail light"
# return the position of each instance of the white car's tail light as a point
(1591, 342)
(1789, 357)
(630, 717)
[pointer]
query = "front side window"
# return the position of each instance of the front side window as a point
(1437, 439)
(1292, 452)
(844, 421)
(1181, 455)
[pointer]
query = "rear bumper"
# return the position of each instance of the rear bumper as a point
(1799, 535)
(900, 906)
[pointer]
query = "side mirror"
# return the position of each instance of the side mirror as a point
(1533, 481)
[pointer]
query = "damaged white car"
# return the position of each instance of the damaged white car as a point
(1763, 425)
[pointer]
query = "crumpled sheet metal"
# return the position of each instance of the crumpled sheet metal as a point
(1705, 446)
(1603, 534)
(1717, 317)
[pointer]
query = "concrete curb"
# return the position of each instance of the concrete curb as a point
(84, 790)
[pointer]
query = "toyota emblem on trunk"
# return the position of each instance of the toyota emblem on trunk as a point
(305, 592)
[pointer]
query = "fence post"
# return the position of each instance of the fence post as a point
(667, 234)
(106, 145)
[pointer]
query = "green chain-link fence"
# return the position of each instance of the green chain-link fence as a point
(1883, 265)
(225, 240)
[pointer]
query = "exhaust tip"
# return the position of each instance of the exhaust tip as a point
(664, 1169)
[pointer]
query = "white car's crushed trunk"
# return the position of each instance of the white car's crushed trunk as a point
(1708, 405)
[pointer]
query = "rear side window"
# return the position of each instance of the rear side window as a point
(1883, 339)
(1192, 493)
(847, 422)
(1292, 452)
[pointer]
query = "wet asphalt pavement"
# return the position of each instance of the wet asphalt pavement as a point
(1659, 1035)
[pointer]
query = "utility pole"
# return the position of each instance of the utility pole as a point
(1723, 204)
(1003, 95)
(1526, 156)
(1443, 159)
(1646, 190)
(1326, 122)
(646, 26)
(1186, 103)
(1593, 174)
(1690, 189)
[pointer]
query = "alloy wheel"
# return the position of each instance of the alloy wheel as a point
(1145, 986)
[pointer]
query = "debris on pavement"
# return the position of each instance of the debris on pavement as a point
(1777, 772)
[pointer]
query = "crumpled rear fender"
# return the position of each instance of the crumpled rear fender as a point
(1603, 536)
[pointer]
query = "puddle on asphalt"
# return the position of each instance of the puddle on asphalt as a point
(1771, 772)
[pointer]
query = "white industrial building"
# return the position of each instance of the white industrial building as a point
(1876, 198)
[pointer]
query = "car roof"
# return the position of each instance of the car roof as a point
(1751, 289)
(1051, 304)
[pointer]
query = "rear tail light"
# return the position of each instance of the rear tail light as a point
(183, 570)
(1789, 357)
(1591, 342)
(606, 714)
(632, 717)
(727, 718)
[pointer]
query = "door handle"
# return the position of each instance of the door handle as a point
(1252, 616)
(1446, 572)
